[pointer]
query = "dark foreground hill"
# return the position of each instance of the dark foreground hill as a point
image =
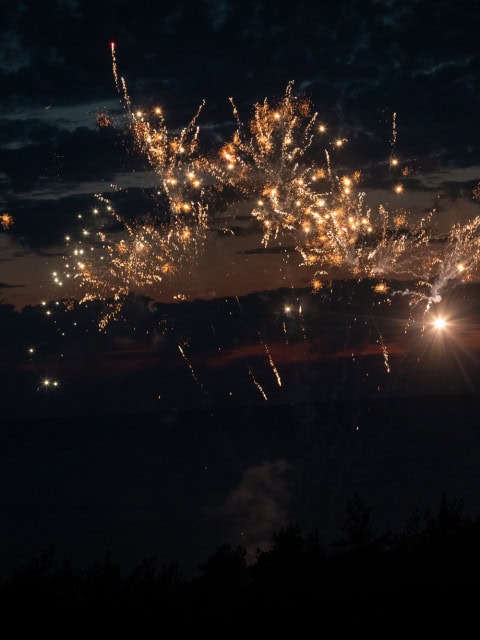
(423, 579)
(176, 485)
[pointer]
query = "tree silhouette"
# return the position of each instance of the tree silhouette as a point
(433, 568)
(104, 585)
(357, 530)
(450, 517)
(226, 570)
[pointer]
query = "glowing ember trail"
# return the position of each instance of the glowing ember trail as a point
(272, 364)
(258, 385)
(192, 371)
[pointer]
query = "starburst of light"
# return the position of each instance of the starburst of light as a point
(440, 323)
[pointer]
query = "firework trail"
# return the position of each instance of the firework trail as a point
(272, 363)
(384, 348)
(192, 370)
(114, 66)
(258, 385)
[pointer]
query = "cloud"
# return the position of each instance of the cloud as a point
(430, 67)
(45, 156)
(295, 353)
(281, 353)
(4, 285)
(444, 177)
(370, 349)
(43, 224)
(219, 11)
(13, 56)
(258, 506)
(48, 116)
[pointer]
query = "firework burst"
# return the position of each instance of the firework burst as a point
(280, 166)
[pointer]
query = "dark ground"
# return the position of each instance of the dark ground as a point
(177, 484)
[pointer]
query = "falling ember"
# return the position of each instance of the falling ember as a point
(192, 371)
(272, 364)
(394, 130)
(6, 220)
(103, 120)
(380, 287)
(258, 385)
(385, 354)
(114, 66)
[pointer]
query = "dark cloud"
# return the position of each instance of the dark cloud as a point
(50, 254)
(45, 156)
(453, 190)
(23, 133)
(350, 46)
(275, 250)
(43, 223)
(419, 59)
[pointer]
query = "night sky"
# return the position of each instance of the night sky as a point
(241, 380)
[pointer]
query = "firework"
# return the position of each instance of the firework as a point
(142, 254)
(460, 259)
(279, 165)
(108, 265)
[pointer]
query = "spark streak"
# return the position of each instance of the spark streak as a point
(272, 364)
(384, 349)
(192, 371)
(114, 66)
(258, 385)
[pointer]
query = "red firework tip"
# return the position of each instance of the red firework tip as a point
(112, 44)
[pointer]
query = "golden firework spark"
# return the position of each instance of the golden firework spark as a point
(381, 287)
(6, 220)
(142, 254)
